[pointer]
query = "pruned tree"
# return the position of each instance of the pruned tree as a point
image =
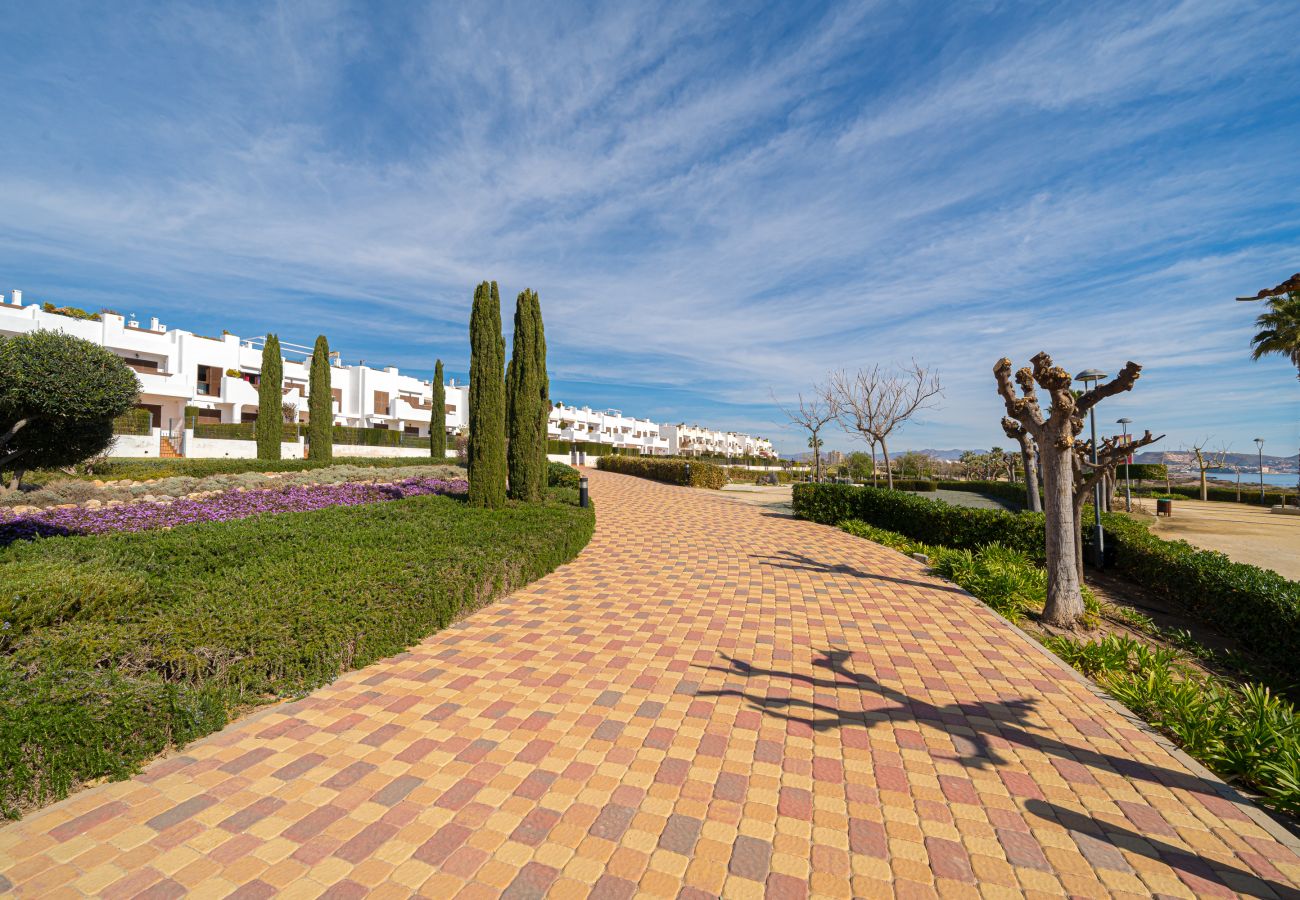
(874, 402)
(812, 414)
(1028, 459)
(1067, 476)
(1206, 460)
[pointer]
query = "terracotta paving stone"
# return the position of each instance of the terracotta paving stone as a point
(712, 700)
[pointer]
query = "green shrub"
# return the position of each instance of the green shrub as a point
(1243, 733)
(376, 437)
(560, 475)
(673, 471)
(120, 645)
(1008, 582)
(891, 539)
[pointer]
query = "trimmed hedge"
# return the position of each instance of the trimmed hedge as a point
(920, 518)
(997, 490)
(739, 475)
(134, 421)
(144, 469)
(1273, 496)
(119, 646)
(1256, 606)
(241, 431)
(673, 471)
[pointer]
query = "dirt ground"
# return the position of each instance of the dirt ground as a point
(1246, 534)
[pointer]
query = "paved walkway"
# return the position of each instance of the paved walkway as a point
(714, 700)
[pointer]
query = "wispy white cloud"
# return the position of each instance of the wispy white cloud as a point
(711, 199)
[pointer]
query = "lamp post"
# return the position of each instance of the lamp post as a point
(1089, 377)
(1259, 442)
(1128, 458)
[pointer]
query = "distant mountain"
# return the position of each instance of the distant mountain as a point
(1187, 459)
(948, 455)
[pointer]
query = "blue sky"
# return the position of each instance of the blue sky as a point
(713, 200)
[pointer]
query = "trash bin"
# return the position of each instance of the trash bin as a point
(1164, 506)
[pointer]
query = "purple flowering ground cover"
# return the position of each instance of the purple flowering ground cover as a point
(141, 516)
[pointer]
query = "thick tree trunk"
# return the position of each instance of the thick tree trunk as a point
(1205, 494)
(1032, 497)
(817, 459)
(889, 473)
(1064, 597)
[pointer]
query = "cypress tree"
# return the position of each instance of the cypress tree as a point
(270, 401)
(438, 417)
(527, 390)
(487, 401)
(320, 404)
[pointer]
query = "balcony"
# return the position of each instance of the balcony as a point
(164, 385)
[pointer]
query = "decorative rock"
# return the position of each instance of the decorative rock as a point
(93, 504)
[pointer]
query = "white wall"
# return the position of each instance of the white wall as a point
(373, 452)
(135, 444)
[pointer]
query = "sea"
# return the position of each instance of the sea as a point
(1280, 479)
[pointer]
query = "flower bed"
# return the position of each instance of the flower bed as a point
(220, 507)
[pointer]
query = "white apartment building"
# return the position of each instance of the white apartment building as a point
(189, 379)
(577, 425)
(695, 440)
(217, 377)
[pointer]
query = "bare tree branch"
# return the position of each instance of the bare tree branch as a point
(874, 402)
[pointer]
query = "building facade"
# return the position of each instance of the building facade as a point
(696, 440)
(190, 380)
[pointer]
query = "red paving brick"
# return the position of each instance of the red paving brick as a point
(713, 700)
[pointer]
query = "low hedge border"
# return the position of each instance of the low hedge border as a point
(672, 471)
(1256, 606)
(121, 645)
(1249, 494)
(143, 469)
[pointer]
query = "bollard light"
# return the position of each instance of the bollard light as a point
(582, 492)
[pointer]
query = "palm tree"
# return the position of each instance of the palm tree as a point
(1279, 329)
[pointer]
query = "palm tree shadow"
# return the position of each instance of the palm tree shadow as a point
(1194, 870)
(788, 559)
(978, 730)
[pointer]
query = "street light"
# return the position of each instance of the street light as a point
(1259, 442)
(1128, 457)
(1089, 377)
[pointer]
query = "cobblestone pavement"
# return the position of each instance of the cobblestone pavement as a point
(713, 700)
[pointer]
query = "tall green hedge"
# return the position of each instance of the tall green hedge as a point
(270, 400)
(320, 403)
(487, 400)
(1256, 606)
(438, 416)
(673, 471)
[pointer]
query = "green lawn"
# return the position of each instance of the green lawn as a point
(115, 647)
